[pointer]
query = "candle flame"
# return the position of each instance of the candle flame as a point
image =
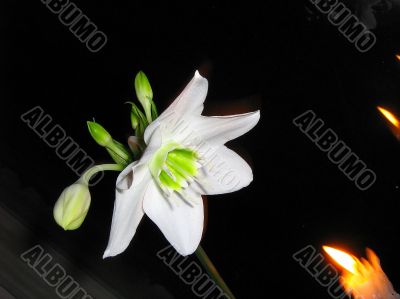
(344, 259)
(398, 57)
(389, 116)
(365, 278)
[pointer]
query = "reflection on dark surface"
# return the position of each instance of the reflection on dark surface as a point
(367, 10)
(5, 294)
(20, 233)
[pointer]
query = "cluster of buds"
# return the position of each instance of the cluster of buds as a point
(73, 204)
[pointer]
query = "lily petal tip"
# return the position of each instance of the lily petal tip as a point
(185, 252)
(106, 254)
(197, 74)
(253, 118)
(185, 249)
(257, 113)
(200, 80)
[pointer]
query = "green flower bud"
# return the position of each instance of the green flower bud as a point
(72, 206)
(144, 94)
(138, 120)
(154, 112)
(134, 120)
(99, 134)
(120, 153)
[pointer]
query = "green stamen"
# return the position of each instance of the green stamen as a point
(167, 181)
(183, 161)
(173, 166)
(178, 172)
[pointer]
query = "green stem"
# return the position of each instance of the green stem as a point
(212, 271)
(97, 168)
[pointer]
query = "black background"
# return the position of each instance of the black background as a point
(277, 57)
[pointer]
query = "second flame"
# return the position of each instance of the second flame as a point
(389, 116)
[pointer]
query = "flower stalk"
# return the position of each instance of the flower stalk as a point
(88, 174)
(212, 271)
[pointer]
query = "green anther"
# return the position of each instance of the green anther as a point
(186, 153)
(157, 163)
(176, 171)
(173, 166)
(168, 182)
(183, 161)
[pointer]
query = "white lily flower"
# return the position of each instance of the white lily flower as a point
(185, 158)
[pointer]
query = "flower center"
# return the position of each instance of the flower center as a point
(174, 167)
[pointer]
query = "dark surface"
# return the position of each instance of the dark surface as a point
(280, 58)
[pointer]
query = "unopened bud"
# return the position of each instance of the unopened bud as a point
(138, 120)
(144, 94)
(99, 134)
(72, 206)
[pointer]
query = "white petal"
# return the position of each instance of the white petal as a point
(180, 222)
(218, 130)
(223, 172)
(189, 102)
(128, 207)
(191, 99)
(154, 142)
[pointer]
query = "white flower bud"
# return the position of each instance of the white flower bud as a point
(72, 206)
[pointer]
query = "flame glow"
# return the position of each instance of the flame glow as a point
(398, 57)
(389, 116)
(365, 278)
(344, 259)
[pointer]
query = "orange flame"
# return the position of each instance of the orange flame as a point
(344, 259)
(389, 116)
(363, 278)
(398, 57)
